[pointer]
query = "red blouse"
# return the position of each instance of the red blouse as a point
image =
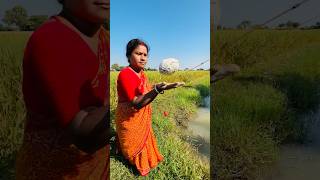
(61, 74)
(129, 84)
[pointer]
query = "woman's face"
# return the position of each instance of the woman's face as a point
(139, 57)
(94, 11)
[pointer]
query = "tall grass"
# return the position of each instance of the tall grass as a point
(181, 159)
(259, 46)
(12, 110)
(261, 107)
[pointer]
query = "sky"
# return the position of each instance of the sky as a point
(172, 28)
(232, 12)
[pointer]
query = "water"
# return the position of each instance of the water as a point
(200, 128)
(300, 161)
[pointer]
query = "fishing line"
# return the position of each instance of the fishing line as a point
(200, 64)
(251, 30)
(265, 23)
(308, 20)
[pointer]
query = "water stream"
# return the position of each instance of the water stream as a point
(300, 161)
(200, 128)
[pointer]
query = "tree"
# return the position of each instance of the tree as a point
(115, 67)
(16, 16)
(34, 22)
(291, 24)
(121, 67)
(257, 26)
(317, 25)
(281, 25)
(150, 69)
(244, 24)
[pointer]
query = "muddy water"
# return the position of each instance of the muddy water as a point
(200, 128)
(300, 161)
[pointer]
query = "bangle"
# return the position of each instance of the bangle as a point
(155, 88)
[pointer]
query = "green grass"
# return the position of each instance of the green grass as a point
(261, 107)
(181, 159)
(259, 46)
(12, 111)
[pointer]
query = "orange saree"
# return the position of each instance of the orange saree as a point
(134, 127)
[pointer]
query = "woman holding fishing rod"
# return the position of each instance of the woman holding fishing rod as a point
(65, 88)
(133, 114)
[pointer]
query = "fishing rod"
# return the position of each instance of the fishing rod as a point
(192, 86)
(295, 6)
(285, 12)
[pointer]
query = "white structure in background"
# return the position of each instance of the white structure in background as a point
(169, 66)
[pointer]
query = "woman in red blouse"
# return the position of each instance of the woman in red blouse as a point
(65, 88)
(133, 115)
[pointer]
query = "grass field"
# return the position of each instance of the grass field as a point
(253, 112)
(12, 110)
(181, 159)
(261, 107)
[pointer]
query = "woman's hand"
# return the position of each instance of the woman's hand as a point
(166, 86)
(90, 129)
(143, 100)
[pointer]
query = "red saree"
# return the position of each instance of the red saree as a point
(137, 141)
(61, 76)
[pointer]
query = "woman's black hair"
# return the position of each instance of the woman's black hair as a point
(134, 43)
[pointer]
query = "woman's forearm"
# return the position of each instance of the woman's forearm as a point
(99, 137)
(91, 129)
(145, 99)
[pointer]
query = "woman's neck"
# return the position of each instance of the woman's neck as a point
(87, 28)
(137, 70)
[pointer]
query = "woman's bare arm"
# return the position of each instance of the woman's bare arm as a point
(90, 129)
(143, 100)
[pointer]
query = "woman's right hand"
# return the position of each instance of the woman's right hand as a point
(166, 86)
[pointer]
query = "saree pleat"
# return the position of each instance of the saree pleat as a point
(136, 138)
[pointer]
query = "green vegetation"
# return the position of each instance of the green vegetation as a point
(181, 159)
(17, 19)
(261, 107)
(12, 111)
